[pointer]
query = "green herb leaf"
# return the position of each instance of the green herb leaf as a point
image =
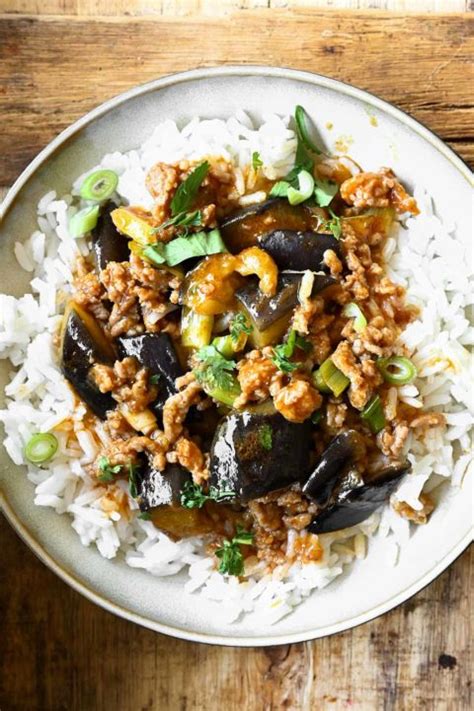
(283, 352)
(192, 495)
(316, 417)
(257, 162)
(265, 434)
(144, 516)
(155, 379)
(187, 191)
(215, 371)
(199, 244)
(334, 225)
(155, 253)
(182, 219)
(107, 472)
(324, 191)
(238, 326)
(230, 555)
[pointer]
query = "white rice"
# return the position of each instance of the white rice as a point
(427, 258)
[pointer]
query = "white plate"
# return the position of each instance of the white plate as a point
(369, 588)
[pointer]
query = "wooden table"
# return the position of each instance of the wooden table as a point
(57, 650)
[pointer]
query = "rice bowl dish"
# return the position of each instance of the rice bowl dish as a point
(422, 256)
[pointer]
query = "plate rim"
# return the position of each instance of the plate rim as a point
(14, 520)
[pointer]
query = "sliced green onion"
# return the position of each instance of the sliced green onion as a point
(373, 415)
(320, 383)
(302, 130)
(397, 370)
(83, 221)
(333, 377)
(41, 448)
(353, 311)
(99, 186)
(224, 345)
(280, 189)
(304, 190)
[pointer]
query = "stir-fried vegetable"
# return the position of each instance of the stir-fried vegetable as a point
(196, 329)
(397, 370)
(230, 555)
(353, 311)
(332, 377)
(373, 415)
(84, 221)
(135, 223)
(215, 373)
(99, 186)
(41, 447)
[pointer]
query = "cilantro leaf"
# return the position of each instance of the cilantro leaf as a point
(182, 219)
(257, 162)
(132, 479)
(192, 495)
(144, 516)
(230, 555)
(187, 191)
(199, 244)
(215, 371)
(283, 352)
(107, 472)
(334, 225)
(238, 326)
(324, 191)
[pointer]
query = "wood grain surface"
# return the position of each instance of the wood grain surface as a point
(58, 651)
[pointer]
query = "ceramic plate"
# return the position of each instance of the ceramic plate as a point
(376, 134)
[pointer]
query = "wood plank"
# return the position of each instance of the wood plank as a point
(61, 652)
(48, 81)
(220, 7)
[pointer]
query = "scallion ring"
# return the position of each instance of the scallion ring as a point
(83, 221)
(334, 378)
(304, 190)
(397, 370)
(41, 448)
(373, 415)
(353, 311)
(319, 382)
(99, 186)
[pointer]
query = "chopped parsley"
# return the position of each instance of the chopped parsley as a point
(186, 193)
(257, 162)
(132, 479)
(238, 326)
(192, 495)
(215, 371)
(334, 225)
(230, 555)
(265, 434)
(283, 352)
(107, 472)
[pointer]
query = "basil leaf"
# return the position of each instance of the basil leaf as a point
(302, 130)
(199, 244)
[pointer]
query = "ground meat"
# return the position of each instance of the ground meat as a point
(410, 514)
(297, 401)
(189, 455)
(128, 383)
(267, 515)
(377, 190)
(332, 261)
(125, 317)
(336, 413)
(88, 291)
(364, 376)
(177, 406)
(117, 426)
(392, 439)
(161, 182)
(124, 451)
(255, 373)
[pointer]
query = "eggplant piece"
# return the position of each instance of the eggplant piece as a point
(155, 488)
(253, 454)
(264, 310)
(331, 467)
(241, 229)
(298, 250)
(156, 352)
(83, 343)
(107, 243)
(354, 504)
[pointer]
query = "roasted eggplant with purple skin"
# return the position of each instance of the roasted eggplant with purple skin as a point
(156, 352)
(83, 344)
(356, 501)
(253, 454)
(155, 488)
(241, 229)
(298, 250)
(336, 459)
(269, 316)
(107, 243)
